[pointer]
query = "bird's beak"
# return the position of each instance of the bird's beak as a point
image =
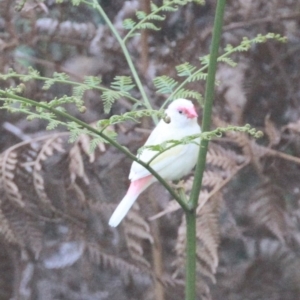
(191, 113)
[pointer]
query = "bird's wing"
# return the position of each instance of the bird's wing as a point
(164, 159)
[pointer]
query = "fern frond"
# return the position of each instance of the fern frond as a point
(267, 209)
(31, 74)
(47, 84)
(52, 124)
(140, 14)
(153, 6)
(98, 256)
(129, 116)
(228, 61)
(79, 90)
(189, 94)
(96, 141)
(28, 230)
(272, 132)
(165, 84)
(197, 76)
(92, 81)
(208, 233)
(76, 165)
(54, 143)
(75, 131)
(212, 179)
(60, 76)
(224, 158)
(122, 83)
(148, 25)
(185, 69)
(207, 240)
(154, 15)
(109, 97)
(136, 230)
(128, 24)
(6, 231)
(8, 167)
(169, 8)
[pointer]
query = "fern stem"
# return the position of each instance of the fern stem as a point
(190, 268)
(126, 54)
(190, 286)
(112, 142)
(209, 96)
(71, 83)
(131, 31)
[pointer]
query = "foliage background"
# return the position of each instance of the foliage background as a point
(58, 246)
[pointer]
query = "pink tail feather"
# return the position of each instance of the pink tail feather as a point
(135, 189)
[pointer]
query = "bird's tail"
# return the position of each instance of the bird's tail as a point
(135, 189)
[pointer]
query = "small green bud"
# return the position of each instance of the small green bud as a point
(259, 134)
(82, 109)
(20, 89)
(167, 119)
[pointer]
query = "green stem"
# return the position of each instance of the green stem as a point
(69, 82)
(190, 277)
(208, 104)
(130, 32)
(112, 142)
(126, 54)
(190, 290)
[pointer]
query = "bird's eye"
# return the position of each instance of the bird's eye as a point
(180, 111)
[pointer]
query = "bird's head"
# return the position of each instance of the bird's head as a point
(182, 112)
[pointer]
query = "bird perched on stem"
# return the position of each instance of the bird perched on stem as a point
(172, 164)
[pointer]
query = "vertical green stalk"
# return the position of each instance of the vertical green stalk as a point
(190, 287)
(190, 276)
(209, 97)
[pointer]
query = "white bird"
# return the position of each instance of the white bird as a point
(171, 164)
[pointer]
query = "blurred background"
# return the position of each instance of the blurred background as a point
(56, 197)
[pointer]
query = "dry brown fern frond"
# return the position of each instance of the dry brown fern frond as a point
(136, 231)
(221, 157)
(208, 232)
(8, 167)
(51, 145)
(293, 127)
(97, 255)
(27, 201)
(207, 242)
(267, 209)
(21, 174)
(274, 274)
(222, 165)
(27, 230)
(6, 231)
(76, 155)
(272, 132)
